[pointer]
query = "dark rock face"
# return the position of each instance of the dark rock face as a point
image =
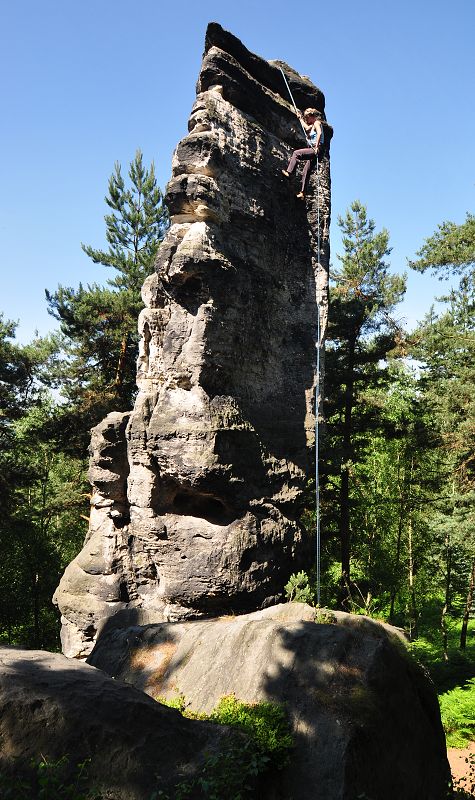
(52, 707)
(219, 440)
(365, 719)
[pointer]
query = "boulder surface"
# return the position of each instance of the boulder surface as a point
(198, 492)
(365, 718)
(51, 707)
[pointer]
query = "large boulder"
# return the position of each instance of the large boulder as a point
(52, 707)
(365, 718)
(218, 446)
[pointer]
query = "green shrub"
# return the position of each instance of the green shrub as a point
(265, 723)
(234, 772)
(446, 673)
(178, 702)
(299, 588)
(457, 708)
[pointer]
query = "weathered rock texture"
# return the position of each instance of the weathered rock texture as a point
(365, 718)
(218, 443)
(51, 707)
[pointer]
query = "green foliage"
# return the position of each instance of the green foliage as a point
(15, 372)
(398, 454)
(450, 249)
(265, 723)
(234, 771)
(178, 702)
(298, 588)
(135, 227)
(42, 498)
(459, 665)
(230, 773)
(363, 286)
(324, 617)
(361, 335)
(42, 529)
(457, 709)
(50, 780)
(444, 345)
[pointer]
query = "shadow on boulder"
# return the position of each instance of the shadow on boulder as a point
(364, 716)
(52, 707)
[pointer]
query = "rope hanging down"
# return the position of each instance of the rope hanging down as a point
(296, 110)
(317, 377)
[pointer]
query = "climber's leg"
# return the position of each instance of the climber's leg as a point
(297, 154)
(307, 168)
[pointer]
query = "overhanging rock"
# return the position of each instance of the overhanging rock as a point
(219, 442)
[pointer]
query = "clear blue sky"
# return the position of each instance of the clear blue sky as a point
(86, 82)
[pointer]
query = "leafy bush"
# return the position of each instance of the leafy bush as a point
(265, 723)
(299, 588)
(457, 708)
(178, 702)
(234, 772)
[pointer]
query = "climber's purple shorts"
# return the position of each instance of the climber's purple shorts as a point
(307, 153)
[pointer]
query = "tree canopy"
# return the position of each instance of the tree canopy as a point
(450, 250)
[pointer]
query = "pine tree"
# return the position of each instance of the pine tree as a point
(361, 333)
(450, 250)
(395, 494)
(444, 344)
(99, 324)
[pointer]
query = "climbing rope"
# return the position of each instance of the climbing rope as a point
(317, 377)
(296, 109)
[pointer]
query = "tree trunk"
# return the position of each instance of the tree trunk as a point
(468, 608)
(345, 538)
(402, 506)
(398, 560)
(345, 521)
(448, 579)
(443, 624)
(414, 614)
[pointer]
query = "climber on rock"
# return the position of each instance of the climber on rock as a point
(314, 132)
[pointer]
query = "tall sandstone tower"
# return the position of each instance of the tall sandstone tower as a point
(198, 492)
